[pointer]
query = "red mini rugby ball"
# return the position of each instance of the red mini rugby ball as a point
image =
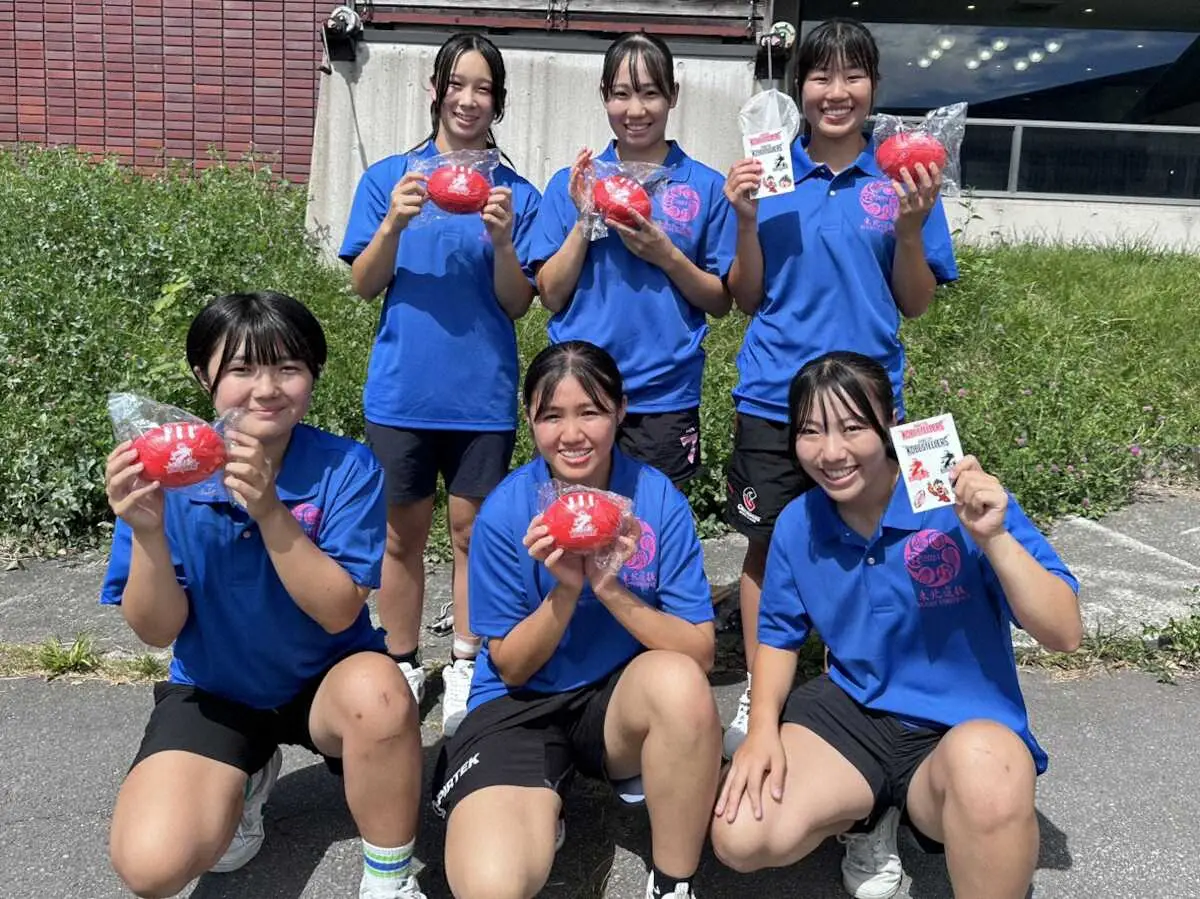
(180, 454)
(584, 520)
(616, 195)
(905, 150)
(458, 189)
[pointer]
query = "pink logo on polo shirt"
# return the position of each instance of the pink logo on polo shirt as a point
(635, 573)
(934, 562)
(309, 517)
(879, 201)
(681, 203)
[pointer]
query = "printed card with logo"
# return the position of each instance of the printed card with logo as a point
(927, 450)
(773, 150)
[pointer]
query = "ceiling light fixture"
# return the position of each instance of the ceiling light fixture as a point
(1053, 46)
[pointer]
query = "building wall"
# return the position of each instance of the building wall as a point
(167, 83)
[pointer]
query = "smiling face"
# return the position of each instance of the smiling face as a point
(274, 397)
(839, 449)
(638, 107)
(575, 434)
(468, 105)
(836, 100)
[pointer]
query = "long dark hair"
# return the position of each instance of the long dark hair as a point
(858, 381)
(649, 49)
(263, 327)
(443, 69)
(592, 367)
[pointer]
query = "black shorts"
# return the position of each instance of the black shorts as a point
(670, 441)
(188, 719)
(526, 739)
(471, 463)
(886, 751)
(762, 476)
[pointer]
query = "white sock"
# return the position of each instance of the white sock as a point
(465, 648)
(384, 870)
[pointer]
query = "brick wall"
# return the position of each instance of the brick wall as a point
(165, 82)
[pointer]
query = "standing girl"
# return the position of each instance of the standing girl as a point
(921, 710)
(588, 669)
(441, 387)
(642, 292)
(264, 601)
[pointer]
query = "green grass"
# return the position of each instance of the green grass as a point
(1072, 372)
(57, 658)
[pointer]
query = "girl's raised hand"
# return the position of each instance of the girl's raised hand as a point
(139, 504)
(408, 196)
(567, 568)
(250, 476)
(498, 216)
(582, 175)
(743, 180)
(980, 500)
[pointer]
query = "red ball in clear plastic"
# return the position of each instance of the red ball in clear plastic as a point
(616, 195)
(905, 150)
(458, 189)
(180, 454)
(584, 520)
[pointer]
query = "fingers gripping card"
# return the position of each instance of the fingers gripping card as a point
(927, 450)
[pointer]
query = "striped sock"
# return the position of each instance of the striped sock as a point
(385, 871)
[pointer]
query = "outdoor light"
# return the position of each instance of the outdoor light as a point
(1020, 64)
(1053, 46)
(1036, 55)
(985, 54)
(924, 62)
(946, 42)
(972, 64)
(340, 35)
(935, 53)
(999, 45)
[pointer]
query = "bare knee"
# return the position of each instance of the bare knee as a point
(989, 775)
(497, 875)
(681, 699)
(375, 701)
(151, 867)
(748, 845)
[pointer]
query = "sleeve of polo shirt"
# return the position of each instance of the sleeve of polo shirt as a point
(683, 589)
(783, 621)
(720, 235)
(1017, 523)
(353, 529)
(372, 198)
(939, 246)
(526, 205)
(556, 216)
(494, 582)
(116, 575)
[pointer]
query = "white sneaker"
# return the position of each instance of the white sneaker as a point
(248, 838)
(407, 889)
(416, 679)
(736, 732)
(457, 680)
(443, 624)
(871, 867)
(681, 891)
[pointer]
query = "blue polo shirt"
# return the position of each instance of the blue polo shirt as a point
(245, 638)
(828, 249)
(915, 619)
(507, 585)
(445, 352)
(629, 306)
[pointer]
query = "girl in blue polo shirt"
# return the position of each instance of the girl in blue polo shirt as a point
(642, 292)
(441, 386)
(263, 600)
(831, 266)
(581, 668)
(921, 709)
